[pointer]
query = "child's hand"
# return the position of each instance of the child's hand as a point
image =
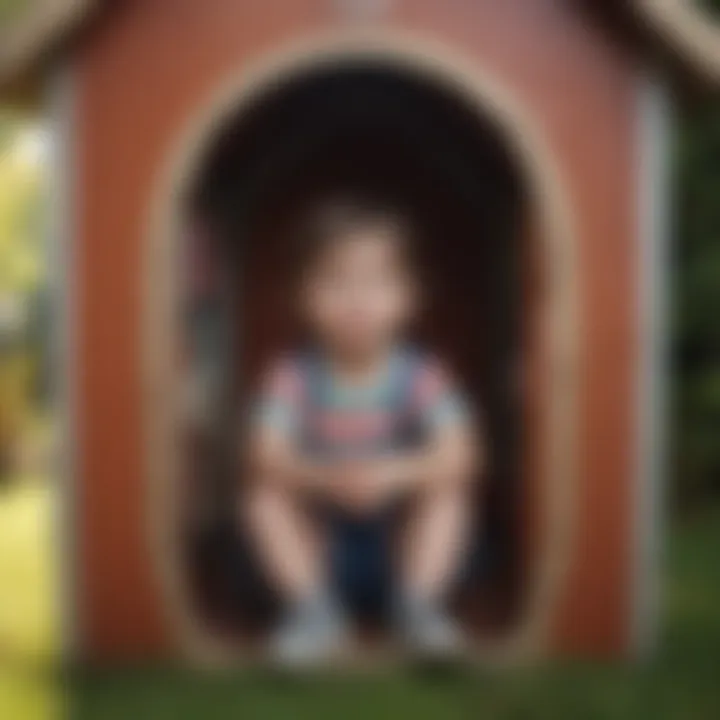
(349, 485)
(363, 486)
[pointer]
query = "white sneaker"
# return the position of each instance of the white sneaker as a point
(310, 635)
(430, 634)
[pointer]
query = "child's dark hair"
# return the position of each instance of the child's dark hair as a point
(337, 219)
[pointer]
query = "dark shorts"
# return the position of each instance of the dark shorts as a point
(363, 571)
(363, 559)
(364, 567)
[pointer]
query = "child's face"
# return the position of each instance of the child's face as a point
(358, 294)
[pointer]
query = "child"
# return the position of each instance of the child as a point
(348, 428)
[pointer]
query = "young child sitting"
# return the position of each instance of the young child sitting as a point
(348, 428)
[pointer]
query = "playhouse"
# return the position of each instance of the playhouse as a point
(528, 135)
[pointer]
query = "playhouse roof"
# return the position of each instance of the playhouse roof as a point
(29, 40)
(677, 27)
(683, 28)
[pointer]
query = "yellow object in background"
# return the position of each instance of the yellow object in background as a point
(15, 404)
(28, 611)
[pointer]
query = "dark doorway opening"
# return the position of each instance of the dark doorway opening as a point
(385, 132)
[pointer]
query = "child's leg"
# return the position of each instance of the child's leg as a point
(436, 540)
(313, 626)
(287, 543)
(435, 544)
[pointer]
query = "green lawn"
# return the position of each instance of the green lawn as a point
(683, 682)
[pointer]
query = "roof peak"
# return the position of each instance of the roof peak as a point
(28, 44)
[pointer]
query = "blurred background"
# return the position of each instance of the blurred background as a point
(679, 682)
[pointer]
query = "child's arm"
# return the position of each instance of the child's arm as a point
(454, 451)
(274, 457)
(273, 452)
(452, 454)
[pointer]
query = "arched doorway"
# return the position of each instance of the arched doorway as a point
(500, 307)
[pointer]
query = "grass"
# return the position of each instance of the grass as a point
(682, 682)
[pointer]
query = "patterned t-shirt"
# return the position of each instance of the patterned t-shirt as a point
(408, 400)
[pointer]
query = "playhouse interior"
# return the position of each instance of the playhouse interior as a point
(383, 131)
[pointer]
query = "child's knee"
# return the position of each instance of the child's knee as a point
(264, 502)
(452, 487)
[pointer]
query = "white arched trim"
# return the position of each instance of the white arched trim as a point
(559, 315)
